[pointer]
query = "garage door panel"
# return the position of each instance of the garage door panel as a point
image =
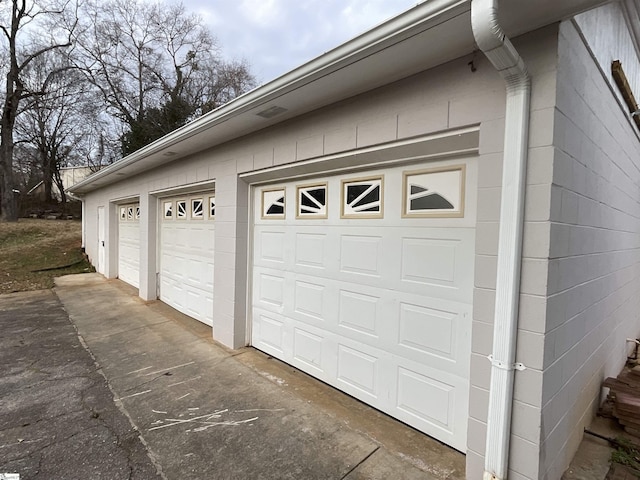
(429, 261)
(195, 303)
(270, 291)
(428, 330)
(431, 266)
(174, 267)
(271, 246)
(186, 262)
(425, 327)
(129, 248)
(380, 308)
(358, 370)
(426, 399)
(438, 267)
(310, 300)
(200, 241)
(361, 255)
(311, 250)
(308, 349)
(198, 273)
(270, 329)
(359, 313)
(420, 396)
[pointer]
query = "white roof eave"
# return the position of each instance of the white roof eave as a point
(399, 47)
(367, 44)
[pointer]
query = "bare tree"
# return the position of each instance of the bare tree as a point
(30, 30)
(52, 122)
(156, 66)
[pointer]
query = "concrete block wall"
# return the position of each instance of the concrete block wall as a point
(593, 285)
(538, 50)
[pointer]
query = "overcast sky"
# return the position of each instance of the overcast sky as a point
(275, 36)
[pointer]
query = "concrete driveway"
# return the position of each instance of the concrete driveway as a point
(202, 411)
(57, 414)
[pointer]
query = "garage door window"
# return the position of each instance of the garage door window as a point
(168, 210)
(212, 207)
(362, 198)
(273, 203)
(197, 208)
(434, 192)
(181, 209)
(312, 201)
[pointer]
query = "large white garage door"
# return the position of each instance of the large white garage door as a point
(186, 255)
(366, 281)
(129, 244)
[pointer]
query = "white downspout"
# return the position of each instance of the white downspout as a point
(504, 57)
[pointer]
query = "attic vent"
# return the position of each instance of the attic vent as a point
(271, 112)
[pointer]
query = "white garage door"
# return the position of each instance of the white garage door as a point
(129, 244)
(186, 255)
(366, 282)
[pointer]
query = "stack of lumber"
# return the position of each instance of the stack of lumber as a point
(624, 399)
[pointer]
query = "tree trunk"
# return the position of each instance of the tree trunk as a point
(47, 176)
(8, 206)
(12, 93)
(57, 178)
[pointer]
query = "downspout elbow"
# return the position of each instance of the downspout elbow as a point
(493, 42)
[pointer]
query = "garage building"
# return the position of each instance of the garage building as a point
(437, 221)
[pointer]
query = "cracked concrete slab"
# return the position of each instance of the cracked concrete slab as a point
(57, 414)
(207, 412)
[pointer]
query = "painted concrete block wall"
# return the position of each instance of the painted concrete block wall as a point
(613, 42)
(538, 50)
(593, 283)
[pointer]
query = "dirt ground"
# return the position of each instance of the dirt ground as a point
(34, 251)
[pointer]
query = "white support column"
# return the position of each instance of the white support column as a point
(111, 248)
(230, 262)
(148, 247)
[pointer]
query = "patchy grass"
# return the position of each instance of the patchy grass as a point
(33, 244)
(627, 454)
